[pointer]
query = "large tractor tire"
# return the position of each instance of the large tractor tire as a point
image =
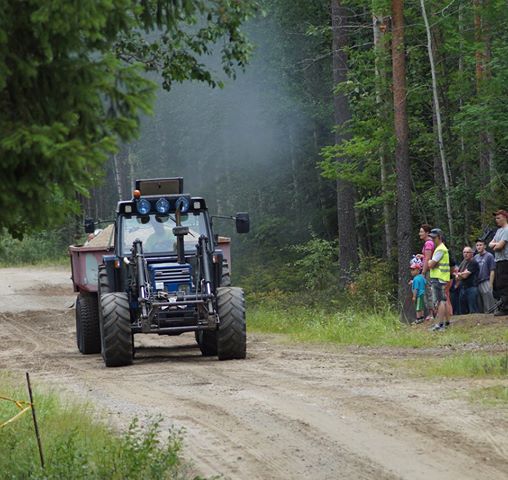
(116, 336)
(87, 324)
(232, 334)
(207, 341)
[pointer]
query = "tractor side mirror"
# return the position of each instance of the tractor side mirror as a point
(242, 222)
(89, 225)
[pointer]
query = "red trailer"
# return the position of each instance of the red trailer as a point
(85, 260)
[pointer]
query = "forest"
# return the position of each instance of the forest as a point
(339, 125)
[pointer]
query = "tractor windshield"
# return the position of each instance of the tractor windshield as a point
(156, 232)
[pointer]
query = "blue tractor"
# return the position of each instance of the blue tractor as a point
(166, 275)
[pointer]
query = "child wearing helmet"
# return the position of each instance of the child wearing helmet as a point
(418, 288)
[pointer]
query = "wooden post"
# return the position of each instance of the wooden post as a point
(35, 420)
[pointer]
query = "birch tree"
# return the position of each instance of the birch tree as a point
(437, 109)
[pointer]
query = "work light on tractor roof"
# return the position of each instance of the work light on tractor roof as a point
(163, 272)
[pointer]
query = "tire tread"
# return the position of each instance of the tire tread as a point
(232, 334)
(87, 324)
(116, 333)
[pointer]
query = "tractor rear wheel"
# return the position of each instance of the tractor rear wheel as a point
(87, 323)
(207, 341)
(232, 334)
(116, 335)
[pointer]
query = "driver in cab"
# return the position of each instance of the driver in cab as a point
(161, 240)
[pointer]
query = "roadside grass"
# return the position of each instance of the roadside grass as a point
(496, 395)
(464, 365)
(78, 446)
(353, 327)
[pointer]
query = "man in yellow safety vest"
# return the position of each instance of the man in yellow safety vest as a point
(439, 266)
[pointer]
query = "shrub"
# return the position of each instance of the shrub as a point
(373, 287)
(41, 247)
(317, 267)
(77, 446)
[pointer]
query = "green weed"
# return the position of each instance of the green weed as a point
(468, 365)
(496, 395)
(77, 446)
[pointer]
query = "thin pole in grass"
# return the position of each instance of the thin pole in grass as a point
(35, 419)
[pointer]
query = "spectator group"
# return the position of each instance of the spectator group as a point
(442, 287)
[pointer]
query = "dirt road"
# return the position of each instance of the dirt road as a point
(287, 412)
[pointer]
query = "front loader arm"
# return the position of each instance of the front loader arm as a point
(143, 285)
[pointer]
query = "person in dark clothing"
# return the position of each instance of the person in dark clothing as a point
(454, 287)
(468, 278)
(500, 246)
(486, 277)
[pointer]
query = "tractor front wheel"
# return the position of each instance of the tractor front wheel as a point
(116, 334)
(232, 334)
(87, 323)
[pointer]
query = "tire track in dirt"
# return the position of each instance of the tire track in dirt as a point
(409, 419)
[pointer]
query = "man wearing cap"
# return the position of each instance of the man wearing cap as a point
(439, 266)
(468, 278)
(500, 246)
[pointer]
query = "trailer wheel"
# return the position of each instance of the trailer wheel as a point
(232, 335)
(207, 341)
(104, 286)
(87, 324)
(116, 334)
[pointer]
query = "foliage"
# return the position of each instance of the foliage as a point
(374, 286)
(72, 85)
(190, 30)
(77, 446)
(42, 247)
(315, 265)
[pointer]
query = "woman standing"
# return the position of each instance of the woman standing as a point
(427, 251)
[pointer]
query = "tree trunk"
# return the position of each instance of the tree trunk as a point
(348, 246)
(401, 157)
(118, 179)
(293, 165)
(321, 188)
(465, 167)
(380, 47)
(437, 109)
